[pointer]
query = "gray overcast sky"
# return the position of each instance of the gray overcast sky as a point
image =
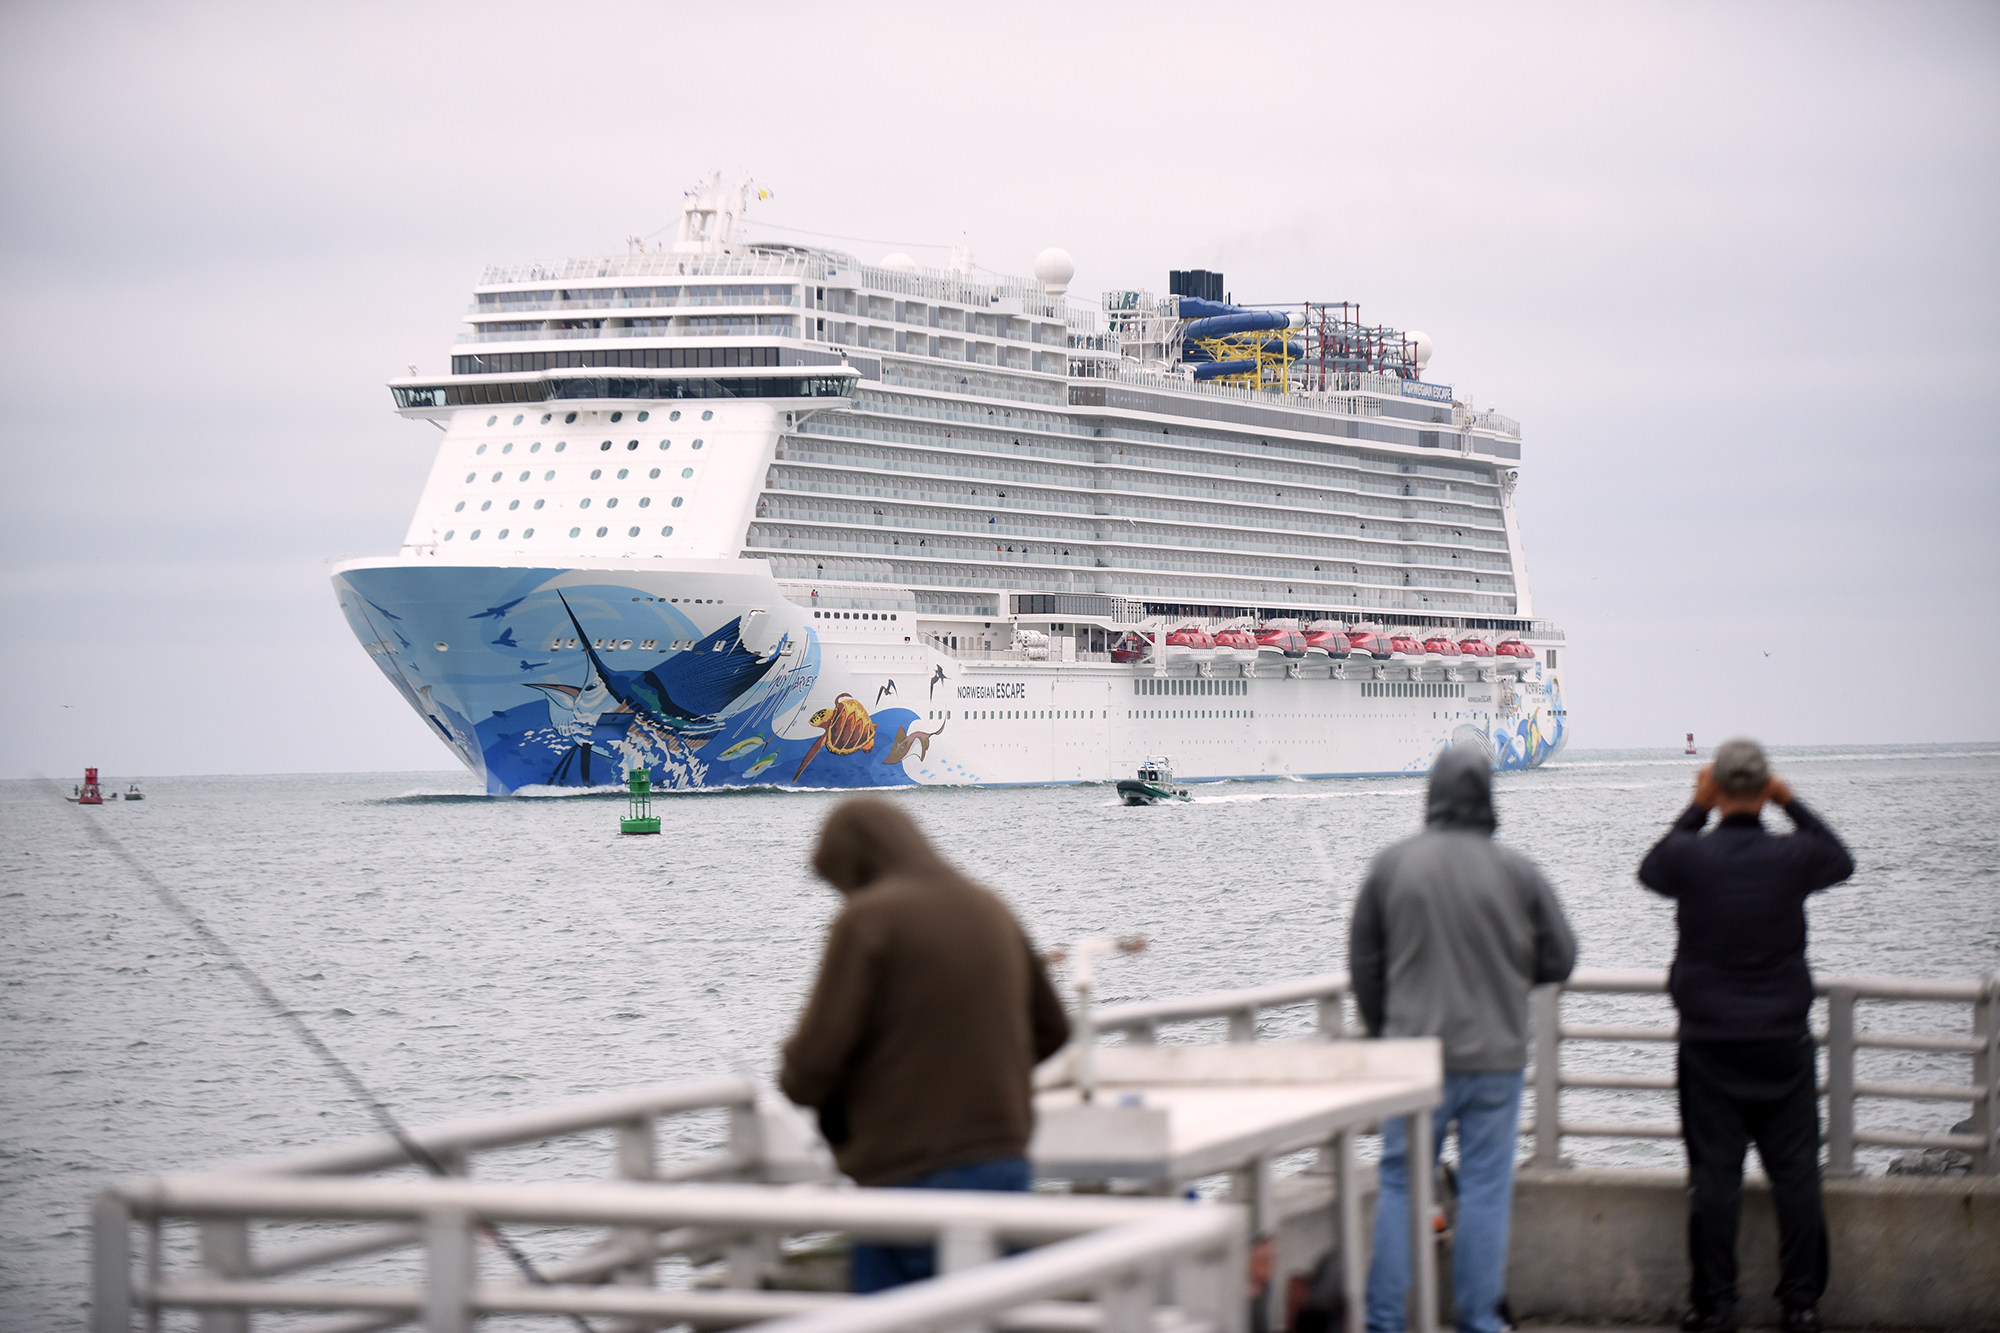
(1732, 266)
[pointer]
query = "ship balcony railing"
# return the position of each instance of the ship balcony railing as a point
(1260, 1011)
(813, 266)
(510, 309)
(773, 330)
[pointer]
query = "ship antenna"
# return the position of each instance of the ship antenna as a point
(340, 1069)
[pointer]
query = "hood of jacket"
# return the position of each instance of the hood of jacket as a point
(1461, 795)
(868, 839)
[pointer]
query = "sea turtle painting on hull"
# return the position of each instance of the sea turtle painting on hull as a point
(845, 728)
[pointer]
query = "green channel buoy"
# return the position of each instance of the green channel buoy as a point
(642, 819)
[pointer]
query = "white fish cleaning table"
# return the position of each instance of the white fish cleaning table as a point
(1170, 1115)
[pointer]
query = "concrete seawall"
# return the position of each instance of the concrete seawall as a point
(1595, 1245)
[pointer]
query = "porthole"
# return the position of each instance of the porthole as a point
(634, 444)
(654, 474)
(583, 504)
(472, 536)
(449, 534)
(513, 505)
(569, 417)
(472, 476)
(667, 531)
(602, 531)
(644, 415)
(705, 416)
(485, 505)
(549, 476)
(677, 502)
(666, 444)
(695, 445)
(686, 472)
(500, 536)
(527, 532)
(622, 474)
(645, 501)
(604, 446)
(546, 417)
(491, 420)
(574, 531)
(442, 646)
(480, 450)
(535, 448)
(507, 448)
(496, 476)
(524, 476)
(561, 445)
(517, 420)
(633, 533)
(538, 504)
(459, 507)
(612, 503)
(617, 416)
(674, 415)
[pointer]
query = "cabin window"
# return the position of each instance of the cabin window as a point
(612, 503)
(596, 472)
(472, 536)
(674, 415)
(633, 533)
(574, 531)
(480, 450)
(631, 445)
(624, 473)
(538, 504)
(549, 476)
(458, 507)
(513, 504)
(583, 504)
(655, 473)
(602, 531)
(667, 531)
(645, 501)
(561, 445)
(507, 448)
(527, 532)
(489, 421)
(695, 445)
(677, 502)
(686, 472)
(485, 505)
(705, 416)
(666, 444)
(449, 535)
(500, 535)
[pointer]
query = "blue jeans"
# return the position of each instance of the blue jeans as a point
(873, 1267)
(1487, 1108)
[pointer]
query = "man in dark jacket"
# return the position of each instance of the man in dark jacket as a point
(1746, 1067)
(1450, 932)
(929, 1015)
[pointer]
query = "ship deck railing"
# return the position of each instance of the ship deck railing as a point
(1248, 1012)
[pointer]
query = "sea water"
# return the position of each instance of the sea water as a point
(469, 954)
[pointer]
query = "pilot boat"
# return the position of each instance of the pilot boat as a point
(1154, 783)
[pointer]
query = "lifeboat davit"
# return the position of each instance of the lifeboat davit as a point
(1475, 647)
(1235, 644)
(1327, 643)
(1132, 646)
(1440, 646)
(1514, 648)
(1405, 645)
(1190, 643)
(1367, 643)
(1276, 641)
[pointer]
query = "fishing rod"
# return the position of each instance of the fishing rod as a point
(340, 1069)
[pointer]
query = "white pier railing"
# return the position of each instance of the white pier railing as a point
(1841, 1088)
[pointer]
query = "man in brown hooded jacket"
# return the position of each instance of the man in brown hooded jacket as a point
(929, 1014)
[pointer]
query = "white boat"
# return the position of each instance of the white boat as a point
(744, 513)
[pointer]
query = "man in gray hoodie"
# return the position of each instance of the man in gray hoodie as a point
(1450, 932)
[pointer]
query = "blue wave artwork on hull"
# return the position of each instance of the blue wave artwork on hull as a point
(709, 711)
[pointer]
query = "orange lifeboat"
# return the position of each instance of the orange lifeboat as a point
(1514, 648)
(1190, 643)
(1277, 641)
(1405, 645)
(1132, 646)
(1367, 643)
(1475, 647)
(1235, 644)
(1327, 643)
(1440, 646)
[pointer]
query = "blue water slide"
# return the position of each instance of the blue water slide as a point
(1243, 321)
(1193, 307)
(1208, 370)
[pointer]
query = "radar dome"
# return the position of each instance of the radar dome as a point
(899, 263)
(1420, 345)
(1053, 269)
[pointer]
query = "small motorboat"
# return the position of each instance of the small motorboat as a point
(1367, 643)
(1235, 644)
(1132, 646)
(1190, 643)
(1475, 647)
(1327, 643)
(1514, 648)
(132, 793)
(1405, 645)
(1154, 783)
(1285, 643)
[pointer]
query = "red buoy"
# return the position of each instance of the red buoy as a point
(88, 794)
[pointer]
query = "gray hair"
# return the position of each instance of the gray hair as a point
(1740, 768)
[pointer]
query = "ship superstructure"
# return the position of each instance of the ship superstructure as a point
(739, 512)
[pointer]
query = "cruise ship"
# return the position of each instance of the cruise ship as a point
(744, 513)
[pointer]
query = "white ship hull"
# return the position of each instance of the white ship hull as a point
(572, 677)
